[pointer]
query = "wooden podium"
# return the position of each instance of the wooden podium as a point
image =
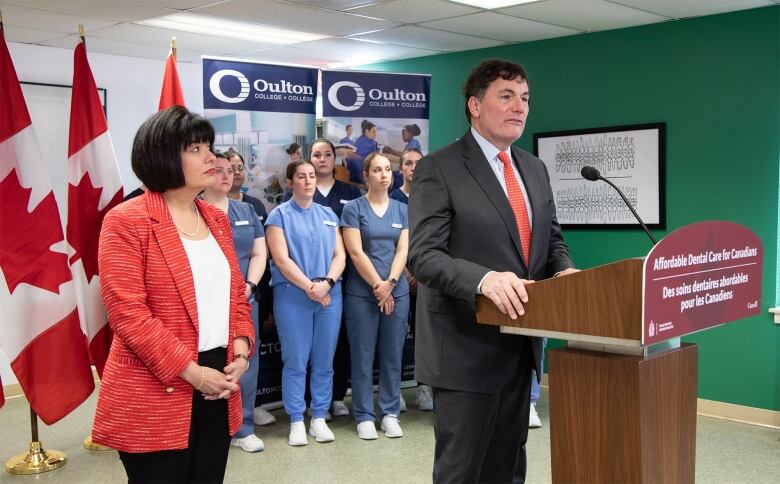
(619, 411)
(623, 391)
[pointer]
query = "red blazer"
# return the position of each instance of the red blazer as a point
(148, 291)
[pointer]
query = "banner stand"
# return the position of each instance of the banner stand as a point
(36, 460)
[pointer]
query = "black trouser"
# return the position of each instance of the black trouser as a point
(205, 459)
(481, 436)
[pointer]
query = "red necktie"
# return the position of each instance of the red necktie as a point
(517, 201)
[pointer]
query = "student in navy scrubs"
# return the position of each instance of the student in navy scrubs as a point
(376, 234)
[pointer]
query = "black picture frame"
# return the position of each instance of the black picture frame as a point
(631, 156)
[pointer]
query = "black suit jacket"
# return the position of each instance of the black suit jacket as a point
(462, 226)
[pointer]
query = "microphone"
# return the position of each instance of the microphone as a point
(592, 174)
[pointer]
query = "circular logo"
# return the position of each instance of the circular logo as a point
(217, 92)
(360, 96)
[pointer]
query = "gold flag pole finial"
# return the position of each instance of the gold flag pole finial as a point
(81, 31)
(173, 46)
(1, 19)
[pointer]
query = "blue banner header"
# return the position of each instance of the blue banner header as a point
(376, 95)
(247, 86)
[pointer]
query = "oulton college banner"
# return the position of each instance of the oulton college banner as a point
(258, 110)
(398, 106)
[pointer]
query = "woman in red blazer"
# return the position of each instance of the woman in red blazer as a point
(169, 398)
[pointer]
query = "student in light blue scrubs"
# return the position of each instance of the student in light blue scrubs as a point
(307, 261)
(376, 234)
(249, 242)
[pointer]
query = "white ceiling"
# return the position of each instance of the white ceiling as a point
(360, 31)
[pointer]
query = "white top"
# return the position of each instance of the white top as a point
(211, 274)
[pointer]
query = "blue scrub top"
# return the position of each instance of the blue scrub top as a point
(246, 227)
(413, 143)
(338, 196)
(311, 238)
(346, 141)
(379, 236)
(364, 146)
(397, 194)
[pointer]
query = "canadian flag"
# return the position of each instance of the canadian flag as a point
(94, 187)
(39, 327)
(171, 94)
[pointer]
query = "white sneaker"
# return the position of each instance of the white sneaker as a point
(402, 406)
(320, 430)
(424, 399)
(263, 417)
(339, 408)
(250, 443)
(391, 426)
(328, 417)
(297, 434)
(534, 422)
(367, 430)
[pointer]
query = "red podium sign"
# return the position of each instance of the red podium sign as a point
(699, 276)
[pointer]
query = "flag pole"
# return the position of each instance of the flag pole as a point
(81, 32)
(173, 46)
(37, 460)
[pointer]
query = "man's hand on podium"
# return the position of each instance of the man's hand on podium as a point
(507, 291)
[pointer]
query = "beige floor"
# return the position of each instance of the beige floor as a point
(727, 452)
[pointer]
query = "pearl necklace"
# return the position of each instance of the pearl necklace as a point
(197, 224)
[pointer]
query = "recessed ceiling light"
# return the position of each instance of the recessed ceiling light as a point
(491, 4)
(202, 24)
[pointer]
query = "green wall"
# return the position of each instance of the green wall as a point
(715, 81)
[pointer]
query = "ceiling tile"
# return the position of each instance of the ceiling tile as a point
(296, 17)
(131, 49)
(116, 10)
(414, 11)
(342, 51)
(28, 18)
(336, 4)
(692, 8)
(174, 4)
(189, 41)
(29, 36)
(500, 27)
(586, 15)
(422, 38)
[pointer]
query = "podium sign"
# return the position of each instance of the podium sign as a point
(699, 276)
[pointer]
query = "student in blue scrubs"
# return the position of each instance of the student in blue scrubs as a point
(364, 146)
(307, 261)
(334, 194)
(347, 140)
(376, 234)
(249, 242)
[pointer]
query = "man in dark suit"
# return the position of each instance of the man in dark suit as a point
(482, 210)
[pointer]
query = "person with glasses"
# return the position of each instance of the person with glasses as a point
(249, 242)
(307, 261)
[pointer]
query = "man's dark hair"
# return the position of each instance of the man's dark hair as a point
(485, 73)
(160, 142)
(348, 126)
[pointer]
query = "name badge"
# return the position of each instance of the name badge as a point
(398, 226)
(330, 224)
(343, 201)
(242, 222)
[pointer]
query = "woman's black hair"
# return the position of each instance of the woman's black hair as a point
(366, 125)
(322, 140)
(293, 148)
(413, 129)
(159, 143)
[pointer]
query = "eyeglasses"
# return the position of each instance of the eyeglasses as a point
(222, 171)
(238, 168)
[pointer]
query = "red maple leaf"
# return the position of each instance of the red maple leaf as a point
(26, 238)
(84, 222)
